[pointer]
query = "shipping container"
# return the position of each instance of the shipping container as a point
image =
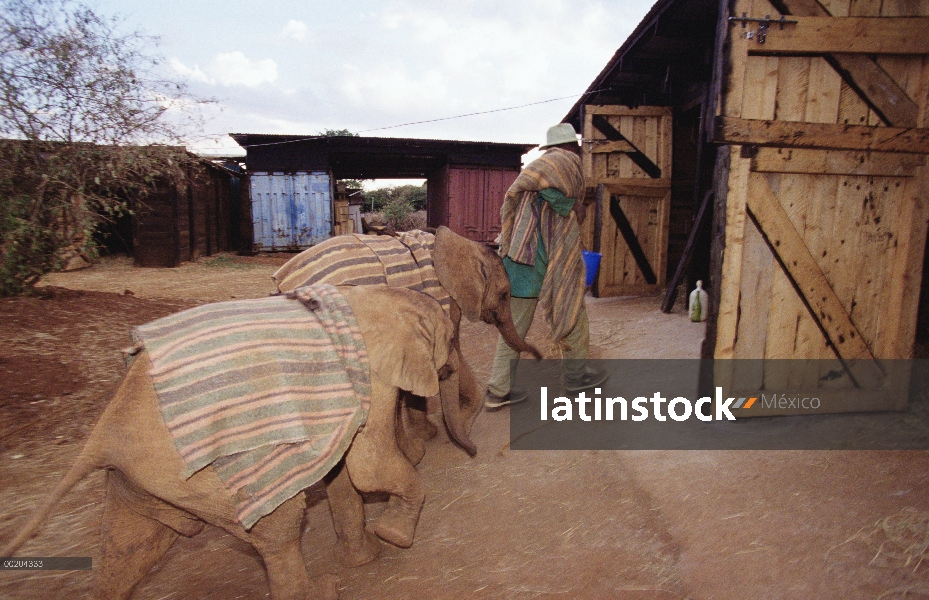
(290, 210)
(182, 223)
(466, 182)
(469, 199)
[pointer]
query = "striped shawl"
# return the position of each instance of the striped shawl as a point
(562, 295)
(404, 261)
(268, 392)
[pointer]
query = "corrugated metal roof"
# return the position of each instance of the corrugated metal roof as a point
(247, 140)
(350, 157)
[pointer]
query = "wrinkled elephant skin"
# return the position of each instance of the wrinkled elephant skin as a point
(149, 502)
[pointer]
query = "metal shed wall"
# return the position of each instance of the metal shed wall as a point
(180, 224)
(468, 199)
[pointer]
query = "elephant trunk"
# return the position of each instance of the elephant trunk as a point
(509, 334)
(455, 419)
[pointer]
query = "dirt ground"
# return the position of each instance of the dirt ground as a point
(505, 524)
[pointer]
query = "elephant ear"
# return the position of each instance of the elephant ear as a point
(407, 335)
(460, 268)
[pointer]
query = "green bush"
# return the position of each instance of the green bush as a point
(396, 212)
(378, 200)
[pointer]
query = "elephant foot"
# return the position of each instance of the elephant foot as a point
(326, 587)
(359, 554)
(397, 525)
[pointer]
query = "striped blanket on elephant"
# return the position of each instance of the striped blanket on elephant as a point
(562, 294)
(404, 261)
(269, 391)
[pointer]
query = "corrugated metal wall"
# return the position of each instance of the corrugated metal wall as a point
(175, 225)
(472, 198)
(290, 210)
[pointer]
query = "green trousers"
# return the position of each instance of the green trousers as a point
(576, 352)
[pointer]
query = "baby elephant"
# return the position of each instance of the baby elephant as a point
(150, 499)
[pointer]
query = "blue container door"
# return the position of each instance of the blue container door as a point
(303, 209)
(320, 199)
(281, 211)
(260, 194)
(290, 211)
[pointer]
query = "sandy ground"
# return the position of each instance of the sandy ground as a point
(505, 524)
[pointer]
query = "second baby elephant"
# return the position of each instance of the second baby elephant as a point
(152, 496)
(465, 276)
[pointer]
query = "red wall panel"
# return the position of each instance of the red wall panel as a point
(475, 196)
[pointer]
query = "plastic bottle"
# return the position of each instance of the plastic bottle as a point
(699, 304)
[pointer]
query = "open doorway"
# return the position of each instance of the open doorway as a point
(400, 204)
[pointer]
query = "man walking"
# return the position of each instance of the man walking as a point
(541, 249)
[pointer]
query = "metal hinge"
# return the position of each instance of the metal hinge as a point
(763, 25)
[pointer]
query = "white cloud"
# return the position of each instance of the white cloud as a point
(230, 68)
(295, 30)
(234, 68)
(403, 61)
(437, 61)
(191, 73)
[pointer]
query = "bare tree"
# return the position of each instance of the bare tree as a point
(89, 124)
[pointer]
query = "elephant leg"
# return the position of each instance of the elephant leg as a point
(276, 537)
(450, 394)
(470, 395)
(132, 544)
(417, 410)
(375, 463)
(410, 434)
(356, 546)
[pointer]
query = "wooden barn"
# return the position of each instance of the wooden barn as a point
(182, 223)
(775, 149)
(292, 182)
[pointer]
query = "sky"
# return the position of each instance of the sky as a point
(301, 67)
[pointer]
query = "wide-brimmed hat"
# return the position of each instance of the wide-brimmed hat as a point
(562, 133)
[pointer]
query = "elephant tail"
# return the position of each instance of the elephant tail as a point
(87, 462)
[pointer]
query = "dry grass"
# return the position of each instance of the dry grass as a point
(897, 541)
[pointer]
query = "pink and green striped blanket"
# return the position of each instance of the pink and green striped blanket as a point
(403, 261)
(269, 391)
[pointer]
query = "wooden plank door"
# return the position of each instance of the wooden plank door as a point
(825, 195)
(627, 157)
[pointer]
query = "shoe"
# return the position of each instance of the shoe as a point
(514, 397)
(591, 378)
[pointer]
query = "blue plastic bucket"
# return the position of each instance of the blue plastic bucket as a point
(591, 265)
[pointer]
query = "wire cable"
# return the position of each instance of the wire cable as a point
(483, 112)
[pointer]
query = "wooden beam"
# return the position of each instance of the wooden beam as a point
(862, 73)
(637, 156)
(619, 183)
(790, 134)
(671, 293)
(799, 265)
(633, 189)
(625, 111)
(878, 89)
(602, 199)
(858, 35)
(836, 162)
(635, 248)
(602, 147)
